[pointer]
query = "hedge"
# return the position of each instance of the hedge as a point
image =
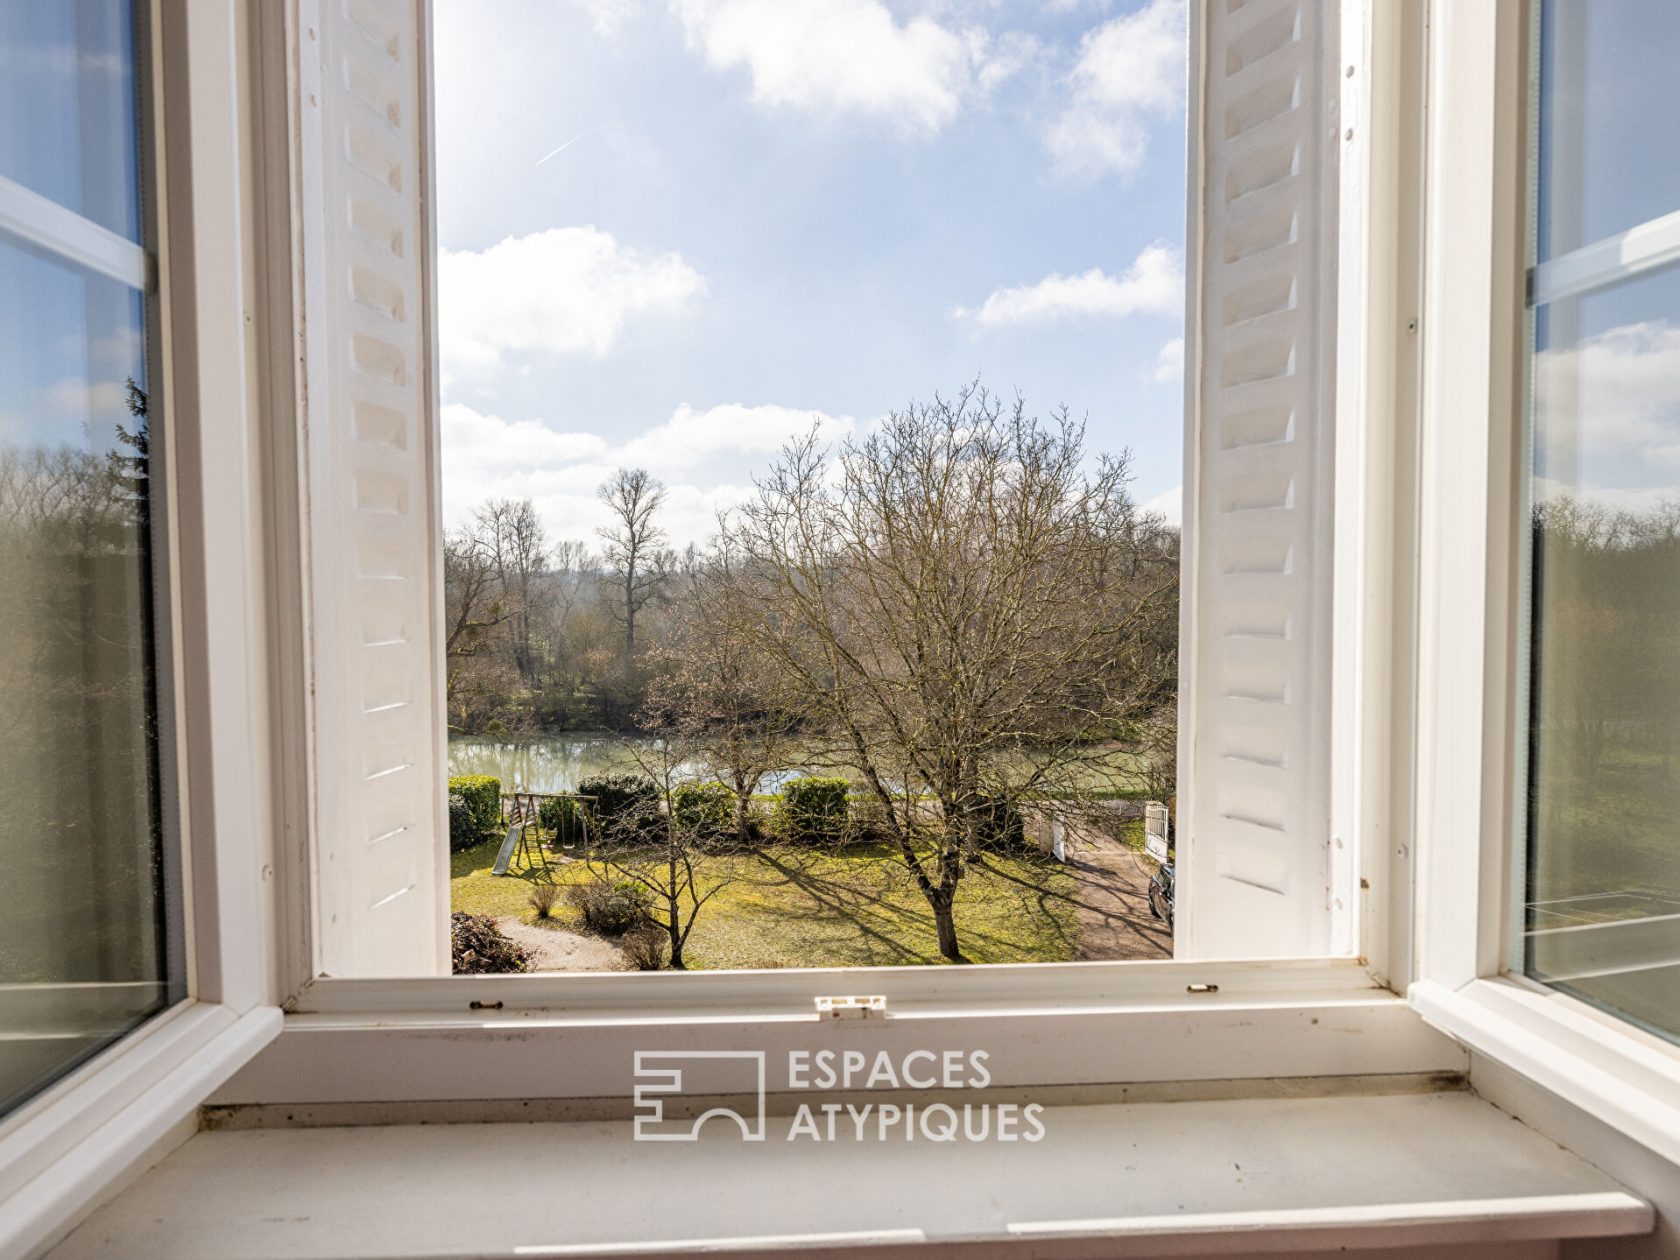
(703, 808)
(813, 809)
(622, 801)
(1002, 828)
(481, 794)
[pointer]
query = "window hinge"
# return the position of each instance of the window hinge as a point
(872, 1006)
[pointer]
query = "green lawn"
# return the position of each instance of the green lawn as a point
(787, 906)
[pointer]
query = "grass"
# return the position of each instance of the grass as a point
(789, 906)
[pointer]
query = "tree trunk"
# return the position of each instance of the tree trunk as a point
(945, 923)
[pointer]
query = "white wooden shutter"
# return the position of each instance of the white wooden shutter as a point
(377, 729)
(1255, 694)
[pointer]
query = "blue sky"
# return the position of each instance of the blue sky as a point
(676, 232)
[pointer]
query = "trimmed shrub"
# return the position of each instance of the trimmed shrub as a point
(703, 808)
(463, 829)
(480, 949)
(812, 810)
(611, 907)
(647, 946)
(482, 794)
(623, 802)
(562, 818)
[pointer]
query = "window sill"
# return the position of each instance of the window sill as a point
(63, 1150)
(555, 1038)
(1235, 1177)
(1627, 1078)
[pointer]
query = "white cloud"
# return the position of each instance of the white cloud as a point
(1169, 362)
(1153, 284)
(564, 291)
(851, 56)
(608, 15)
(485, 456)
(1130, 69)
(1169, 504)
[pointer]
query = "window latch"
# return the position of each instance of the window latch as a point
(872, 1006)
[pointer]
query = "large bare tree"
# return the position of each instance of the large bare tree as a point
(969, 606)
(633, 547)
(513, 533)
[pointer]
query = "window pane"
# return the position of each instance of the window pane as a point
(81, 933)
(1608, 158)
(1604, 863)
(67, 98)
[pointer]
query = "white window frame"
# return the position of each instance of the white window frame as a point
(1469, 977)
(501, 1036)
(64, 1148)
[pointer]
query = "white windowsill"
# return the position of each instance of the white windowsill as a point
(1624, 1077)
(1241, 1176)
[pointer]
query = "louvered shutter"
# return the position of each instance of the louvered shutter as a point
(1253, 825)
(380, 822)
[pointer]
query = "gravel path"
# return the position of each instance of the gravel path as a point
(560, 949)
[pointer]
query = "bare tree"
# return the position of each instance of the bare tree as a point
(717, 693)
(969, 607)
(651, 848)
(637, 560)
(470, 605)
(513, 533)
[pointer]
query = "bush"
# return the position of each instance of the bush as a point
(1002, 828)
(480, 949)
(813, 810)
(562, 818)
(543, 897)
(622, 802)
(611, 907)
(703, 808)
(482, 796)
(647, 946)
(463, 830)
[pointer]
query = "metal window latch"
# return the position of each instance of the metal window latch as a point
(872, 1006)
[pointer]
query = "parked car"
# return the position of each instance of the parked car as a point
(1161, 893)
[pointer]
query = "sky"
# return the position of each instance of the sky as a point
(675, 233)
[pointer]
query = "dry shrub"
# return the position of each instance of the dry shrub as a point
(646, 946)
(543, 898)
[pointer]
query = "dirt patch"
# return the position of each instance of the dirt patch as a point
(555, 948)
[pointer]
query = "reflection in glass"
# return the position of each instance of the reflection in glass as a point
(1609, 158)
(1603, 919)
(67, 99)
(82, 954)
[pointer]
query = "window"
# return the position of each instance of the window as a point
(90, 940)
(1602, 918)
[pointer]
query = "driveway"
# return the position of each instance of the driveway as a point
(1113, 901)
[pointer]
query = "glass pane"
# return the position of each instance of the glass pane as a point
(68, 100)
(1607, 159)
(82, 952)
(1604, 805)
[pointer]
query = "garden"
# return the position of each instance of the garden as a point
(628, 869)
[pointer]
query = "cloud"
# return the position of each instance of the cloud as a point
(608, 15)
(1153, 284)
(851, 56)
(1608, 416)
(568, 290)
(1169, 362)
(1169, 504)
(487, 456)
(1130, 69)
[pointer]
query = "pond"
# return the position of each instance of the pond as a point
(557, 763)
